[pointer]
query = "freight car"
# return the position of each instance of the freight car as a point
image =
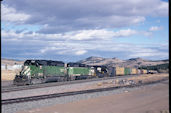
(120, 71)
(117, 71)
(127, 71)
(133, 71)
(151, 72)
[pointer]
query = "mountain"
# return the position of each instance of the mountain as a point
(100, 61)
(133, 62)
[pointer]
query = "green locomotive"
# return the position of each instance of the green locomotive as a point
(41, 71)
(76, 71)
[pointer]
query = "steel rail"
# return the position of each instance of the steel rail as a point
(27, 87)
(55, 95)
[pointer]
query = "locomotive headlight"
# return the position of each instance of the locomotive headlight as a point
(99, 69)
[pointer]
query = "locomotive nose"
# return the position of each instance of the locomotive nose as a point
(21, 80)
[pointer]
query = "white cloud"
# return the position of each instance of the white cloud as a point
(80, 52)
(28, 36)
(75, 35)
(91, 14)
(150, 54)
(82, 41)
(155, 28)
(48, 49)
(11, 15)
(99, 34)
(127, 32)
(132, 50)
(69, 49)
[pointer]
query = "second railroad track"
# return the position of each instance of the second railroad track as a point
(6, 89)
(34, 98)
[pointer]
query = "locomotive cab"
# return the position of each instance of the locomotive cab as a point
(101, 71)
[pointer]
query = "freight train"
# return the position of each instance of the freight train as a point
(42, 71)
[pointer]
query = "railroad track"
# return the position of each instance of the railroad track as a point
(6, 89)
(35, 98)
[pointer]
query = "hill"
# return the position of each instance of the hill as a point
(133, 62)
(10, 62)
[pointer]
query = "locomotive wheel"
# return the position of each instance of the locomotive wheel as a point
(36, 81)
(72, 78)
(61, 79)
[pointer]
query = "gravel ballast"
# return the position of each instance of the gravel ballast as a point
(50, 90)
(81, 86)
(12, 108)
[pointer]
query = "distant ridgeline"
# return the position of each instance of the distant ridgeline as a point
(159, 67)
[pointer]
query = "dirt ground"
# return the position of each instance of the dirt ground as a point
(148, 99)
(116, 82)
(7, 75)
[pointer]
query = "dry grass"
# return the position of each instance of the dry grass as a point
(144, 78)
(8, 74)
(149, 77)
(11, 62)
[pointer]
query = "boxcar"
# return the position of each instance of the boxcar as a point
(144, 71)
(133, 71)
(127, 71)
(119, 70)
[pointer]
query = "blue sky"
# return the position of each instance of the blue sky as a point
(77, 29)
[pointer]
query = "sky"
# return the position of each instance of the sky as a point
(72, 30)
